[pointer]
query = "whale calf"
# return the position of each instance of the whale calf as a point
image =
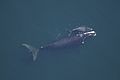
(76, 36)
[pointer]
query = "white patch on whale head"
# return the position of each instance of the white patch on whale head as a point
(90, 33)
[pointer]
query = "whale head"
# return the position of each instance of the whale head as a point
(83, 31)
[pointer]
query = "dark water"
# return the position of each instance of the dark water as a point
(37, 22)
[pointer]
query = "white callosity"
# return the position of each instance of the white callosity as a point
(90, 33)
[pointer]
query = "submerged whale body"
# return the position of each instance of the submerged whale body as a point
(76, 36)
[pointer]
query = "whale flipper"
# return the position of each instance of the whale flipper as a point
(32, 49)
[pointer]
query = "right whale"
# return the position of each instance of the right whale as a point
(76, 36)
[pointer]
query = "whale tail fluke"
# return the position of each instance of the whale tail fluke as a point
(32, 49)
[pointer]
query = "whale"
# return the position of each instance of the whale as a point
(75, 37)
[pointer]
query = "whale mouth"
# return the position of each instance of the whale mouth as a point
(82, 29)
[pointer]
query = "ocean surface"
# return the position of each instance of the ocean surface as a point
(38, 22)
